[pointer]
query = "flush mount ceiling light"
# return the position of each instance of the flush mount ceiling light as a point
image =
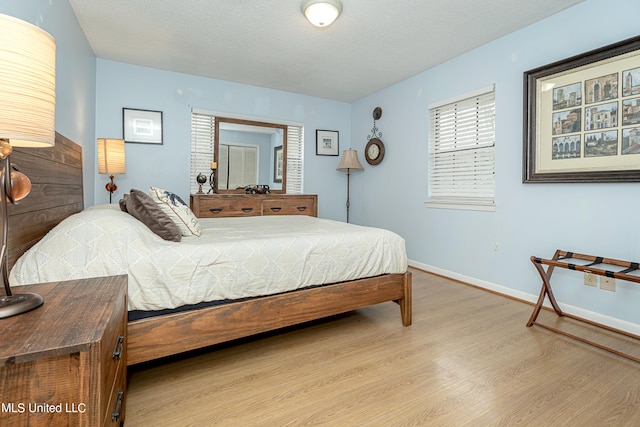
(321, 13)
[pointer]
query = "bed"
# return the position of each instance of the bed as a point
(306, 287)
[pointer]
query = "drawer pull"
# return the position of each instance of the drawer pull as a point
(117, 408)
(216, 210)
(302, 208)
(276, 209)
(117, 351)
(247, 210)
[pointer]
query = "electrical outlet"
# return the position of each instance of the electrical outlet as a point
(590, 279)
(608, 284)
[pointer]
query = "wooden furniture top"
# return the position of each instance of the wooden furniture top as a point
(600, 266)
(72, 327)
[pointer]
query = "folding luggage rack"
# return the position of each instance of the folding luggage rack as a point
(587, 264)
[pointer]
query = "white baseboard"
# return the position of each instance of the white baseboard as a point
(612, 322)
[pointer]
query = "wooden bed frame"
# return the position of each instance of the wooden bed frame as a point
(56, 176)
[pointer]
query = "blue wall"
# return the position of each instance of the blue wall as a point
(492, 249)
(75, 75)
(167, 166)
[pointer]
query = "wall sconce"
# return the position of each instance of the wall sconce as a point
(111, 160)
(27, 119)
(349, 162)
(322, 13)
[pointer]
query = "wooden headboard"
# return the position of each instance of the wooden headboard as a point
(56, 192)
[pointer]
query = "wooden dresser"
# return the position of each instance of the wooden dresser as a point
(223, 205)
(64, 363)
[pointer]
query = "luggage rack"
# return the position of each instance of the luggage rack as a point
(593, 265)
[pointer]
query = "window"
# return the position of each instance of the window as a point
(461, 152)
(203, 132)
(203, 142)
(295, 149)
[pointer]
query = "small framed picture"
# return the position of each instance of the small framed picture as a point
(327, 142)
(142, 126)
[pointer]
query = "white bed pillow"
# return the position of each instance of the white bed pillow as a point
(178, 211)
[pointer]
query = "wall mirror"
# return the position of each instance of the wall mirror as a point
(249, 153)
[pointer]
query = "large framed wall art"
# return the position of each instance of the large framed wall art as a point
(582, 117)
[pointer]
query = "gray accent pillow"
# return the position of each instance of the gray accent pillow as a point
(142, 207)
(123, 203)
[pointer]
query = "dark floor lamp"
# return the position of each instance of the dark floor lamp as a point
(349, 162)
(27, 119)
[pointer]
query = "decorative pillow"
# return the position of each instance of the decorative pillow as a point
(123, 203)
(177, 210)
(147, 211)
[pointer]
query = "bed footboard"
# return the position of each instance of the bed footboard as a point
(161, 336)
(405, 302)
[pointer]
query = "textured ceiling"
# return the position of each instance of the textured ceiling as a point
(269, 43)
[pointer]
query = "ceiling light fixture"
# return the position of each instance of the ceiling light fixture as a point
(322, 13)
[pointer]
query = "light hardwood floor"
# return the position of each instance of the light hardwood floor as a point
(467, 360)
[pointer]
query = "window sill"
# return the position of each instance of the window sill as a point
(467, 206)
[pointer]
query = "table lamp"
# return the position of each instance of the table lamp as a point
(111, 160)
(27, 119)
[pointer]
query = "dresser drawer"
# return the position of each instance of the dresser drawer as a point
(221, 207)
(235, 205)
(289, 206)
(114, 415)
(113, 356)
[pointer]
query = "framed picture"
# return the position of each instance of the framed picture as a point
(142, 126)
(327, 142)
(582, 117)
(278, 164)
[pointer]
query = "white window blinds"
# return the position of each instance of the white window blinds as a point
(202, 145)
(295, 160)
(461, 152)
(203, 131)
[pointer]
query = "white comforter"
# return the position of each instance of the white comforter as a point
(233, 258)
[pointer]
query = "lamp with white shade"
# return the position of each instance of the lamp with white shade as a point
(27, 119)
(111, 160)
(349, 162)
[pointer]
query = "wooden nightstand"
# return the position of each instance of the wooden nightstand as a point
(64, 363)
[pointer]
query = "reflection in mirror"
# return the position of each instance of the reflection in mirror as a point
(249, 153)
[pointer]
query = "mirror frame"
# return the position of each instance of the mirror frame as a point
(216, 142)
